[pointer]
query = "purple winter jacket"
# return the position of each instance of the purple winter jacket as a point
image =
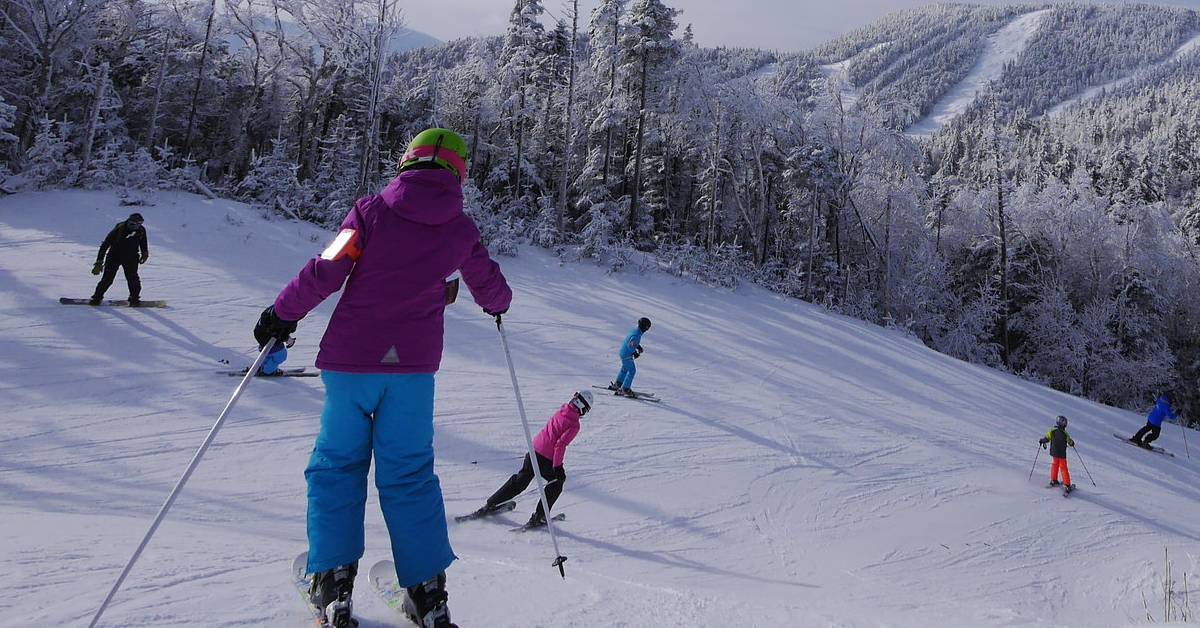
(412, 237)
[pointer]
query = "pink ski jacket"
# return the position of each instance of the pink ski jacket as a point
(407, 241)
(552, 441)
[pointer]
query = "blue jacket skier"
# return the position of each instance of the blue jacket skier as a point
(1150, 432)
(630, 350)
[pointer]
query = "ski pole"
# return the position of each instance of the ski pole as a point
(1035, 457)
(1185, 445)
(1085, 469)
(162, 512)
(537, 468)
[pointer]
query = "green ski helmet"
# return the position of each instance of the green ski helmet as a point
(437, 146)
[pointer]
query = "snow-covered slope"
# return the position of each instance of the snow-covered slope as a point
(804, 470)
(1002, 48)
(1189, 47)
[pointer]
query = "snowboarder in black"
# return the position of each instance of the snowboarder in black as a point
(124, 248)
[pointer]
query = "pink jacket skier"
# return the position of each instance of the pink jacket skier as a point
(550, 446)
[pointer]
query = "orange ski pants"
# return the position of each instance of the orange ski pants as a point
(1056, 466)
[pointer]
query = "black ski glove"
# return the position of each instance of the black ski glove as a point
(144, 258)
(637, 353)
(1043, 442)
(97, 268)
(271, 326)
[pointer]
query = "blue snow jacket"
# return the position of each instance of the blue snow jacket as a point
(632, 341)
(1162, 410)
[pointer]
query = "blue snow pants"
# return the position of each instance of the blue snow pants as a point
(390, 415)
(628, 370)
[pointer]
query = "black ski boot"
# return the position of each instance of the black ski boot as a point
(135, 302)
(95, 300)
(536, 520)
(1053, 483)
(331, 592)
(425, 604)
(613, 386)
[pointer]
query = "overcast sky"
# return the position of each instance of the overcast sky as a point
(774, 24)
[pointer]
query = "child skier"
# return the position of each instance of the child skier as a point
(1153, 428)
(550, 446)
(378, 358)
(630, 350)
(1059, 440)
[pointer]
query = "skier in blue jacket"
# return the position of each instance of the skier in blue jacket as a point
(631, 349)
(1149, 433)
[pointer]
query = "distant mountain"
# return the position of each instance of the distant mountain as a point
(407, 39)
(411, 40)
(923, 68)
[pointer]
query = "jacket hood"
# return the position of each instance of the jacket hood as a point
(1162, 401)
(428, 197)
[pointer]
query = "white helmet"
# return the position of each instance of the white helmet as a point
(582, 401)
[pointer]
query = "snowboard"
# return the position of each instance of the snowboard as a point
(501, 509)
(296, 372)
(636, 392)
(303, 582)
(113, 302)
(1157, 450)
(562, 516)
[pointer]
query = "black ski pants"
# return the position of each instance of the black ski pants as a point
(1152, 430)
(555, 478)
(111, 265)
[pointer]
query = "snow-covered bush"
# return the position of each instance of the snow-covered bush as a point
(49, 163)
(272, 181)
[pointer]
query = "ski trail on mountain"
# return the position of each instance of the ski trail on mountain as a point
(1002, 48)
(837, 73)
(1190, 46)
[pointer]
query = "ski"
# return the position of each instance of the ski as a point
(383, 581)
(1157, 450)
(637, 392)
(1068, 490)
(562, 516)
(483, 512)
(637, 396)
(303, 581)
(297, 372)
(112, 302)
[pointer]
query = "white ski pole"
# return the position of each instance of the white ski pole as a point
(1185, 445)
(537, 471)
(162, 512)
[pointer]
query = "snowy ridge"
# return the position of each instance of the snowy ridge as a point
(1002, 48)
(1188, 47)
(804, 469)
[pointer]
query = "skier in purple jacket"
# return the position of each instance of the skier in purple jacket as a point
(378, 357)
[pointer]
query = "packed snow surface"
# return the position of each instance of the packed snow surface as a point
(804, 469)
(1002, 48)
(1190, 46)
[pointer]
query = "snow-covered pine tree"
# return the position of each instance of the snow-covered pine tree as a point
(650, 48)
